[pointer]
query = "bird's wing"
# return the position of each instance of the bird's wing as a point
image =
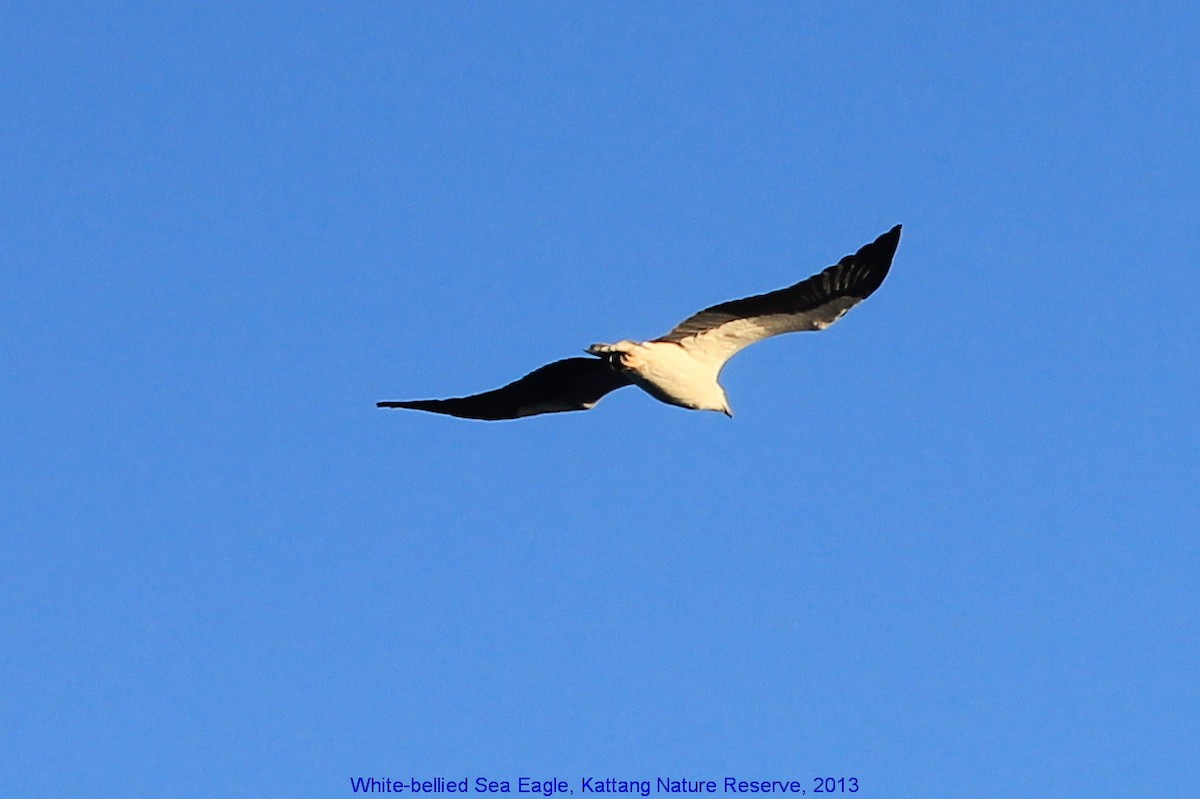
(572, 384)
(719, 332)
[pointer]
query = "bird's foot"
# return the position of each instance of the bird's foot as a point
(624, 345)
(619, 356)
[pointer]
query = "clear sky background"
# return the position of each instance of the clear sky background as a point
(949, 546)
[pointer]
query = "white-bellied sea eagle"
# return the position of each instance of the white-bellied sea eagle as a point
(682, 367)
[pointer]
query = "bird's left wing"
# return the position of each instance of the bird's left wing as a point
(572, 384)
(719, 332)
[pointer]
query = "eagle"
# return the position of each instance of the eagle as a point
(682, 367)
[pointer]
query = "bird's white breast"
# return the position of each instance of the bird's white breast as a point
(675, 375)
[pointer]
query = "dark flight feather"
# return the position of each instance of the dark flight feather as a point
(811, 304)
(572, 384)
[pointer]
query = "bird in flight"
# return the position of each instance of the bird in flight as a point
(681, 368)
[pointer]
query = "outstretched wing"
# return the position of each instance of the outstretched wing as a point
(572, 384)
(719, 332)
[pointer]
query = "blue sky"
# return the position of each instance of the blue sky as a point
(948, 547)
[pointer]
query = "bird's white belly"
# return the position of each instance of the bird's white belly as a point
(672, 374)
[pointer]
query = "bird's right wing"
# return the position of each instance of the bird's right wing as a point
(719, 332)
(572, 384)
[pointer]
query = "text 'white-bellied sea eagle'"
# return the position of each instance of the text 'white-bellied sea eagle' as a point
(682, 367)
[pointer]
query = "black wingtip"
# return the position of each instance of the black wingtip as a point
(882, 250)
(865, 270)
